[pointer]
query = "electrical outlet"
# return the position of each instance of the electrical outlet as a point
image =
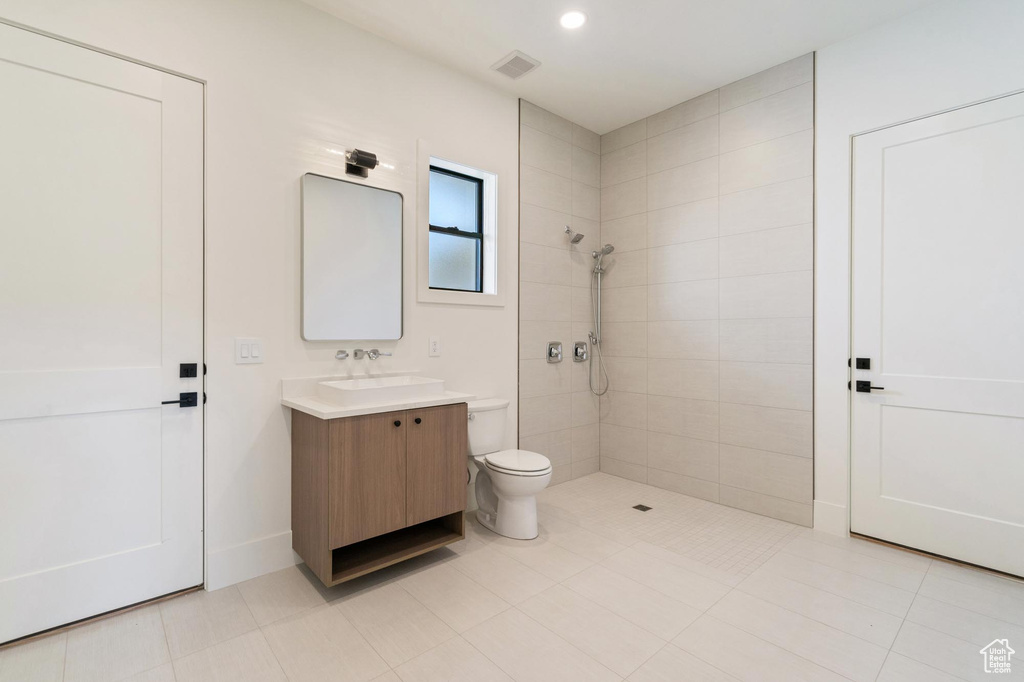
(248, 351)
(435, 346)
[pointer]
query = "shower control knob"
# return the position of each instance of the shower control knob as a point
(579, 351)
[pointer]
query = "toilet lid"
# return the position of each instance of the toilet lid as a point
(518, 460)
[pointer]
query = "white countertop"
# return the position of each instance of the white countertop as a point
(318, 407)
(300, 394)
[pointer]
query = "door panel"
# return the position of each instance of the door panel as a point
(437, 459)
(101, 297)
(938, 306)
(367, 476)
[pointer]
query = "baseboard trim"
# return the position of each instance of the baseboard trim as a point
(248, 560)
(831, 518)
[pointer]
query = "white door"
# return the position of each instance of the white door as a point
(938, 309)
(101, 299)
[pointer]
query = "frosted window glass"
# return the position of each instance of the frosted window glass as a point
(454, 202)
(454, 262)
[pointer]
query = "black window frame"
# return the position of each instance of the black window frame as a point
(455, 231)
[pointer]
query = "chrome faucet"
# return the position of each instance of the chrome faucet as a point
(373, 353)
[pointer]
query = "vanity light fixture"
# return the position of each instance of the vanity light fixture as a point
(360, 163)
(573, 19)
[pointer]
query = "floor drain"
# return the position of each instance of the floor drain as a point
(642, 507)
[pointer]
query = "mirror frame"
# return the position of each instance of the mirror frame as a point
(302, 259)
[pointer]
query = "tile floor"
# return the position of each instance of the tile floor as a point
(687, 591)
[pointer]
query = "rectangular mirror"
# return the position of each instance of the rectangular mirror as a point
(351, 261)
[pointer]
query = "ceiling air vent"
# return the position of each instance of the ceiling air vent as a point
(515, 65)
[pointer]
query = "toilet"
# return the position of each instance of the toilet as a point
(507, 481)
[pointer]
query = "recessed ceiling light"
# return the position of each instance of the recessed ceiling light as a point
(573, 19)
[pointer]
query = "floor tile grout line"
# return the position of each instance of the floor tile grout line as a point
(815, 620)
(834, 594)
(755, 636)
(855, 543)
(565, 641)
(885, 561)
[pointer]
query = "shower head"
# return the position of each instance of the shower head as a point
(608, 248)
(574, 237)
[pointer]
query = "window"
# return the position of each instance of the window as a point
(456, 231)
(457, 235)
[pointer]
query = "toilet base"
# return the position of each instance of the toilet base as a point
(515, 518)
(508, 505)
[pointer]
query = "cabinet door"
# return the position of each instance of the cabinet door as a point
(367, 476)
(437, 462)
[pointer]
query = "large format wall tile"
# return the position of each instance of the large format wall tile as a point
(624, 136)
(624, 199)
(769, 385)
(697, 379)
(778, 160)
(708, 296)
(778, 115)
(681, 146)
(622, 165)
(787, 339)
(586, 167)
(766, 83)
(779, 295)
(779, 205)
(684, 184)
(781, 249)
(683, 114)
(545, 152)
(683, 262)
(683, 301)
(725, 231)
(683, 223)
(786, 476)
(627, 234)
(544, 121)
(681, 455)
(684, 339)
(560, 186)
(778, 430)
(544, 189)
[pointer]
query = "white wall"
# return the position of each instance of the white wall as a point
(947, 55)
(285, 82)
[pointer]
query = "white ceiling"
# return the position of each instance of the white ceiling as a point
(631, 59)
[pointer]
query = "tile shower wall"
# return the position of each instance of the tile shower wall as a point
(708, 297)
(560, 180)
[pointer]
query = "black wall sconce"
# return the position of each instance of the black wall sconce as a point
(360, 163)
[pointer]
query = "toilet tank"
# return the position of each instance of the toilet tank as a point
(487, 425)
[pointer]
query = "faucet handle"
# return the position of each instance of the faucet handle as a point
(373, 353)
(358, 353)
(341, 354)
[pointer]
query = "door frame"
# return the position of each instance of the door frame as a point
(849, 311)
(203, 83)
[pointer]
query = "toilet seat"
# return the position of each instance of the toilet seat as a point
(518, 463)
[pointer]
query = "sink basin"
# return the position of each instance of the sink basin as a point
(379, 389)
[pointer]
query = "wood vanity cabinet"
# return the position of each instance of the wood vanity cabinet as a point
(372, 490)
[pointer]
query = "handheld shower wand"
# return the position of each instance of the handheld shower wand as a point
(595, 336)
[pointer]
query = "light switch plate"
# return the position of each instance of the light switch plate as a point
(435, 347)
(248, 351)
